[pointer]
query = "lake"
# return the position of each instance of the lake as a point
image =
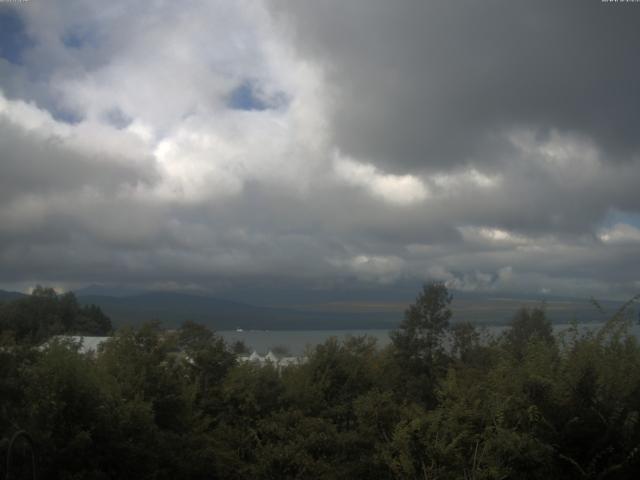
(296, 341)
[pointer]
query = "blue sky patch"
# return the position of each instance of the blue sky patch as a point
(65, 116)
(117, 118)
(244, 97)
(79, 37)
(618, 216)
(14, 39)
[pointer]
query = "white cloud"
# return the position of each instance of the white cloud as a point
(620, 233)
(573, 159)
(394, 189)
(495, 236)
(28, 116)
(470, 178)
(171, 78)
(372, 268)
(188, 186)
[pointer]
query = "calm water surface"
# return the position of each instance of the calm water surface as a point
(296, 341)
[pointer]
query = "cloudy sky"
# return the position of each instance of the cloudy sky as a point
(493, 145)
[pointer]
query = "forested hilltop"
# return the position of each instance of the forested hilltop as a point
(35, 318)
(442, 401)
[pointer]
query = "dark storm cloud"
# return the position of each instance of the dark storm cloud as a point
(33, 165)
(431, 84)
(322, 145)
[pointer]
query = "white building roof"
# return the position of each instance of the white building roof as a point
(87, 344)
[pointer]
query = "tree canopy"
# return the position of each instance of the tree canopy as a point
(440, 402)
(36, 317)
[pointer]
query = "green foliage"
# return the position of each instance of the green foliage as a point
(44, 313)
(418, 343)
(528, 326)
(419, 337)
(440, 403)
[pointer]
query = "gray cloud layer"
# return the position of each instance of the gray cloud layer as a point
(488, 144)
(431, 84)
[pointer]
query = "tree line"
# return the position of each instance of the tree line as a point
(442, 401)
(43, 314)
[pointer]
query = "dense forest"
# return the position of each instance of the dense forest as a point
(43, 314)
(442, 401)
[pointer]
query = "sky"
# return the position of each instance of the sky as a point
(321, 146)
